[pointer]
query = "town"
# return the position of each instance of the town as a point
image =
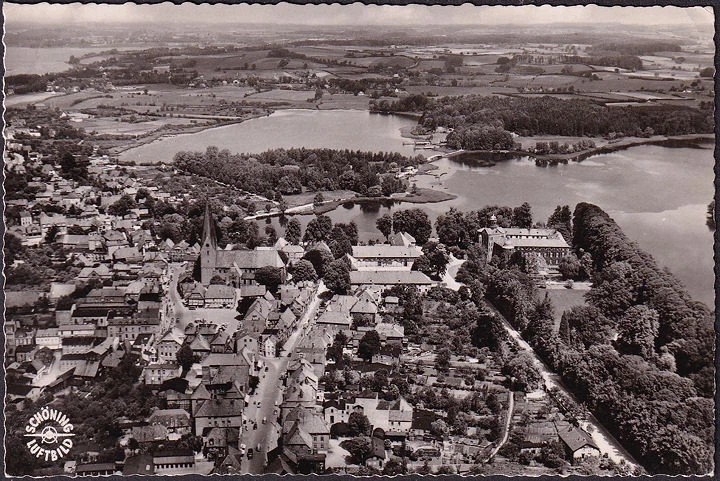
(213, 312)
(247, 362)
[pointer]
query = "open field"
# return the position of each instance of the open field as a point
(103, 126)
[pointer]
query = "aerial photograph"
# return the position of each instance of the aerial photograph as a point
(363, 240)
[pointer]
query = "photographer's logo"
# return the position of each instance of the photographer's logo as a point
(51, 430)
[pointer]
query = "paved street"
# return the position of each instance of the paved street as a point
(269, 391)
(181, 316)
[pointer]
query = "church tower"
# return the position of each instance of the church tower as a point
(208, 249)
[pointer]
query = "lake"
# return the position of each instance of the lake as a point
(39, 61)
(658, 195)
(335, 129)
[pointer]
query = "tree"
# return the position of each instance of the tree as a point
(318, 229)
(439, 428)
(434, 262)
(360, 448)
(414, 222)
(270, 277)
(384, 224)
(45, 355)
(339, 242)
(72, 167)
(293, 231)
(303, 270)
(13, 247)
(492, 402)
(637, 330)
(320, 259)
(122, 206)
(455, 228)
(64, 303)
(393, 467)
(561, 219)
(391, 184)
(51, 234)
(318, 199)
(380, 380)
(522, 216)
(369, 345)
(217, 280)
(442, 359)
(271, 234)
(351, 231)
(570, 267)
(337, 276)
(185, 357)
(523, 372)
(289, 185)
(359, 424)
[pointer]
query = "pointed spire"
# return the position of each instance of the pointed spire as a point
(209, 237)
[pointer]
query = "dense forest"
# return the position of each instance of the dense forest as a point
(639, 354)
(551, 116)
(290, 171)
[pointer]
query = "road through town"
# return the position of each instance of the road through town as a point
(269, 393)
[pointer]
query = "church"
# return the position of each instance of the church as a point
(236, 267)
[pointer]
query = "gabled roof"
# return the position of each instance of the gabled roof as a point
(390, 331)
(388, 278)
(200, 343)
(364, 305)
(176, 417)
(219, 291)
(298, 437)
(335, 318)
(224, 359)
(200, 393)
(386, 251)
(220, 407)
(575, 438)
(249, 259)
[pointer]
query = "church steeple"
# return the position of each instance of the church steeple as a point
(209, 237)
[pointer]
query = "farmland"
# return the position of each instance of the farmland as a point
(184, 89)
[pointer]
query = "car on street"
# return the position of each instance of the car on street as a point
(264, 421)
(250, 454)
(257, 448)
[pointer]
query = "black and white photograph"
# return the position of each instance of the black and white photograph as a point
(364, 240)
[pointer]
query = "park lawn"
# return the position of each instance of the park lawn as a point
(425, 196)
(562, 300)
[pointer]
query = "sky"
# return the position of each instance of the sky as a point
(355, 14)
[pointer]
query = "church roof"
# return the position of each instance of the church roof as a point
(249, 259)
(209, 236)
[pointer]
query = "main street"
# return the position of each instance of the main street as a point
(268, 392)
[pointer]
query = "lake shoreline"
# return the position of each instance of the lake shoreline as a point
(543, 160)
(159, 136)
